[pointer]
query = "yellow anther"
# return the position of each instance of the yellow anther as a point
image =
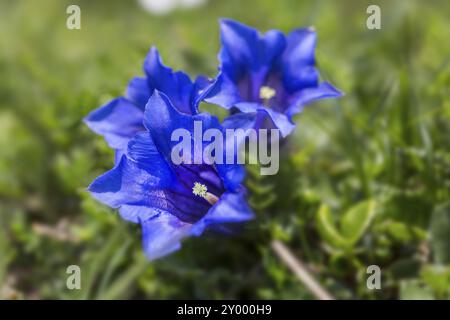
(199, 189)
(267, 93)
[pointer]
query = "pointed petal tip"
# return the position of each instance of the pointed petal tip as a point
(333, 90)
(235, 26)
(153, 52)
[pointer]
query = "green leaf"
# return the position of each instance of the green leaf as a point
(398, 230)
(327, 228)
(357, 219)
(353, 224)
(440, 234)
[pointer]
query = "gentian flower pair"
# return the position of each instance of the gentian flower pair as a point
(263, 79)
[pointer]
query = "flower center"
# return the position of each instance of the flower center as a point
(201, 190)
(267, 93)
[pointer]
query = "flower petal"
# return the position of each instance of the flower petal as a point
(273, 45)
(139, 91)
(223, 92)
(176, 85)
(144, 153)
(202, 87)
(175, 197)
(162, 234)
(140, 191)
(118, 121)
(137, 213)
(298, 60)
(301, 44)
(240, 45)
(126, 183)
(308, 95)
(246, 57)
(243, 121)
(281, 121)
(161, 119)
(231, 208)
(278, 120)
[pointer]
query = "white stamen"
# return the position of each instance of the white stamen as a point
(201, 190)
(267, 93)
(212, 199)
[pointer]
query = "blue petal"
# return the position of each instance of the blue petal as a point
(118, 154)
(162, 234)
(127, 183)
(142, 189)
(232, 175)
(298, 60)
(137, 213)
(273, 45)
(118, 121)
(244, 49)
(138, 91)
(281, 121)
(232, 207)
(308, 95)
(202, 87)
(223, 92)
(176, 85)
(277, 119)
(143, 151)
(240, 45)
(301, 44)
(243, 121)
(249, 106)
(175, 196)
(246, 58)
(161, 119)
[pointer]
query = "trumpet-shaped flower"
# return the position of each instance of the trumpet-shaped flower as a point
(171, 201)
(271, 75)
(120, 119)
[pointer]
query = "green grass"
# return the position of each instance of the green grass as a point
(365, 179)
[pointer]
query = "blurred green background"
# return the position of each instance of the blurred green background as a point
(387, 143)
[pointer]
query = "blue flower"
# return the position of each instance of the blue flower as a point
(270, 75)
(171, 201)
(120, 119)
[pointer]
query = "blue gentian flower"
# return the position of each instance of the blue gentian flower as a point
(270, 75)
(120, 119)
(171, 201)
